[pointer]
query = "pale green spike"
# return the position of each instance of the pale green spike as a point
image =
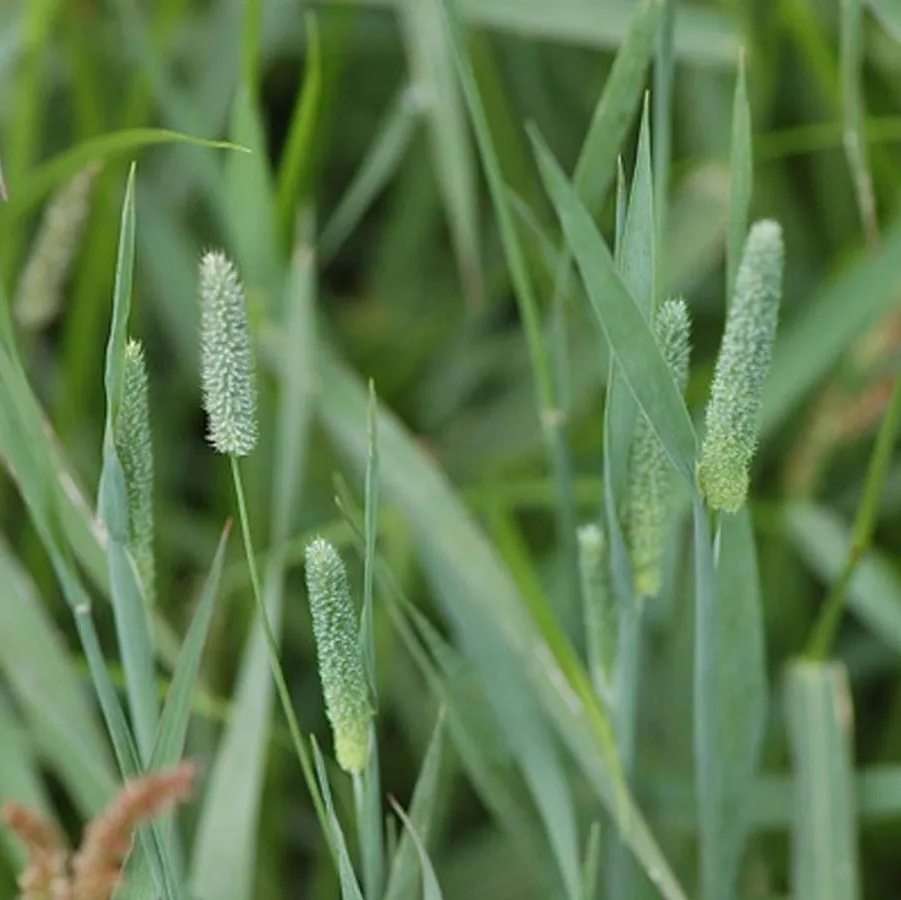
(341, 668)
(135, 451)
(650, 470)
(741, 368)
(227, 364)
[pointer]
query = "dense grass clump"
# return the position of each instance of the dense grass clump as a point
(399, 541)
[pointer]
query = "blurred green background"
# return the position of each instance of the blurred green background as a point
(387, 209)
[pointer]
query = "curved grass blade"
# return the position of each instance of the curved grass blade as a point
(825, 862)
(628, 334)
(431, 890)
(730, 695)
(404, 874)
(295, 164)
(460, 562)
(42, 180)
(350, 888)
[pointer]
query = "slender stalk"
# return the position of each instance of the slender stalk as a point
(278, 674)
(823, 635)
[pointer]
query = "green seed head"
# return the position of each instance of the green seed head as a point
(741, 369)
(650, 470)
(338, 651)
(135, 452)
(229, 385)
(39, 293)
(601, 629)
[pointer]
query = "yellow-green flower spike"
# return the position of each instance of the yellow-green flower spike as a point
(39, 294)
(135, 452)
(227, 364)
(650, 470)
(338, 652)
(741, 369)
(599, 612)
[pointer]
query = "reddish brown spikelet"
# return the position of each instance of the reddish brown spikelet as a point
(97, 866)
(45, 875)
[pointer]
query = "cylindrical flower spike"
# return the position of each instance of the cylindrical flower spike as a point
(650, 470)
(741, 369)
(227, 364)
(599, 613)
(338, 652)
(135, 452)
(40, 289)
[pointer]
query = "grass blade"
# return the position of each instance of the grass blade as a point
(46, 686)
(403, 877)
(824, 854)
(132, 623)
(854, 133)
(382, 160)
(350, 888)
(730, 695)
(432, 72)
(431, 890)
(741, 178)
(296, 162)
(628, 334)
(486, 600)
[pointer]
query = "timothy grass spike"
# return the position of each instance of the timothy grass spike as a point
(599, 611)
(338, 651)
(650, 470)
(39, 292)
(135, 451)
(229, 382)
(741, 369)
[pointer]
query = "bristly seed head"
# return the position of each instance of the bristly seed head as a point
(741, 370)
(650, 469)
(135, 452)
(227, 363)
(338, 651)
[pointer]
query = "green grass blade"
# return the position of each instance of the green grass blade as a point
(431, 63)
(626, 331)
(741, 177)
(704, 36)
(636, 260)
(431, 890)
(730, 696)
(550, 415)
(296, 162)
(854, 134)
(822, 539)
(368, 790)
(596, 166)
(173, 729)
(486, 601)
(662, 95)
(404, 873)
(45, 683)
(250, 197)
(820, 720)
(44, 178)
(383, 158)
(889, 14)
(350, 888)
(132, 623)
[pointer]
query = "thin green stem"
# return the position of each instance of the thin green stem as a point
(278, 674)
(823, 634)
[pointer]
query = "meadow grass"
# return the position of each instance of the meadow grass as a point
(549, 354)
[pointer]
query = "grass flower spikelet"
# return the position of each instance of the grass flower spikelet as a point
(135, 451)
(741, 369)
(650, 470)
(227, 363)
(599, 609)
(338, 651)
